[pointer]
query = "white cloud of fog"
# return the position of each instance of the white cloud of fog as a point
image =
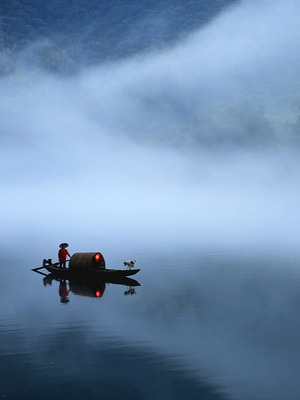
(68, 161)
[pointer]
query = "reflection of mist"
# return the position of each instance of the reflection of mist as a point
(194, 142)
(221, 317)
(231, 315)
(68, 366)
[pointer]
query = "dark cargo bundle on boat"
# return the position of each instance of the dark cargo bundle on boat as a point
(87, 262)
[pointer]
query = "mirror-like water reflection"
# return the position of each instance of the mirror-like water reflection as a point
(209, 324)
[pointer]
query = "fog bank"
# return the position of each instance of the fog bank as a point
(197, 143)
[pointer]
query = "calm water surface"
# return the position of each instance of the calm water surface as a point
(203, 324)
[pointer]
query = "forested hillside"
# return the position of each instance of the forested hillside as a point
(235, 83)
(60, 35)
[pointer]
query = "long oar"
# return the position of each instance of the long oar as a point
(42, 273)
(38, 268)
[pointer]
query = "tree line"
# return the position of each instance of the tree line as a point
(62, 35)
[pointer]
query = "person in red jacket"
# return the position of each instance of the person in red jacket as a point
(62, 254)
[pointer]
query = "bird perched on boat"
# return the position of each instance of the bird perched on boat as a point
(130, 263)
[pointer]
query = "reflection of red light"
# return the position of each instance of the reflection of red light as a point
(97, 256)
(98, 293)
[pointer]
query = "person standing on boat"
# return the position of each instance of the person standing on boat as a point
(62, 254)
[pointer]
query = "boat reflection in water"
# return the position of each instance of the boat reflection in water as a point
(88, 288)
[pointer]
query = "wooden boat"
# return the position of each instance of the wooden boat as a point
(91, 273)
(88, 265)
(123, 280)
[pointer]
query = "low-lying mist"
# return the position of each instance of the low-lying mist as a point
(197, 143)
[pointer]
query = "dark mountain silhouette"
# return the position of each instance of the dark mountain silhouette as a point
(61, 35)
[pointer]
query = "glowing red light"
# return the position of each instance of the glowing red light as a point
(97, 256)
(98, 293)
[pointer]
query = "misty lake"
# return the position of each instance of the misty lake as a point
(205, 323)
(184, 157)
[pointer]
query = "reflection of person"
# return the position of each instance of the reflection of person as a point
(62, 255)
(63, 292)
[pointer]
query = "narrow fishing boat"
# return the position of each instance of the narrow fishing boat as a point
(97, 273)
(90, 265)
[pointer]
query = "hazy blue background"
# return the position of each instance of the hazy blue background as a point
(75, 162)
(186, 159)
